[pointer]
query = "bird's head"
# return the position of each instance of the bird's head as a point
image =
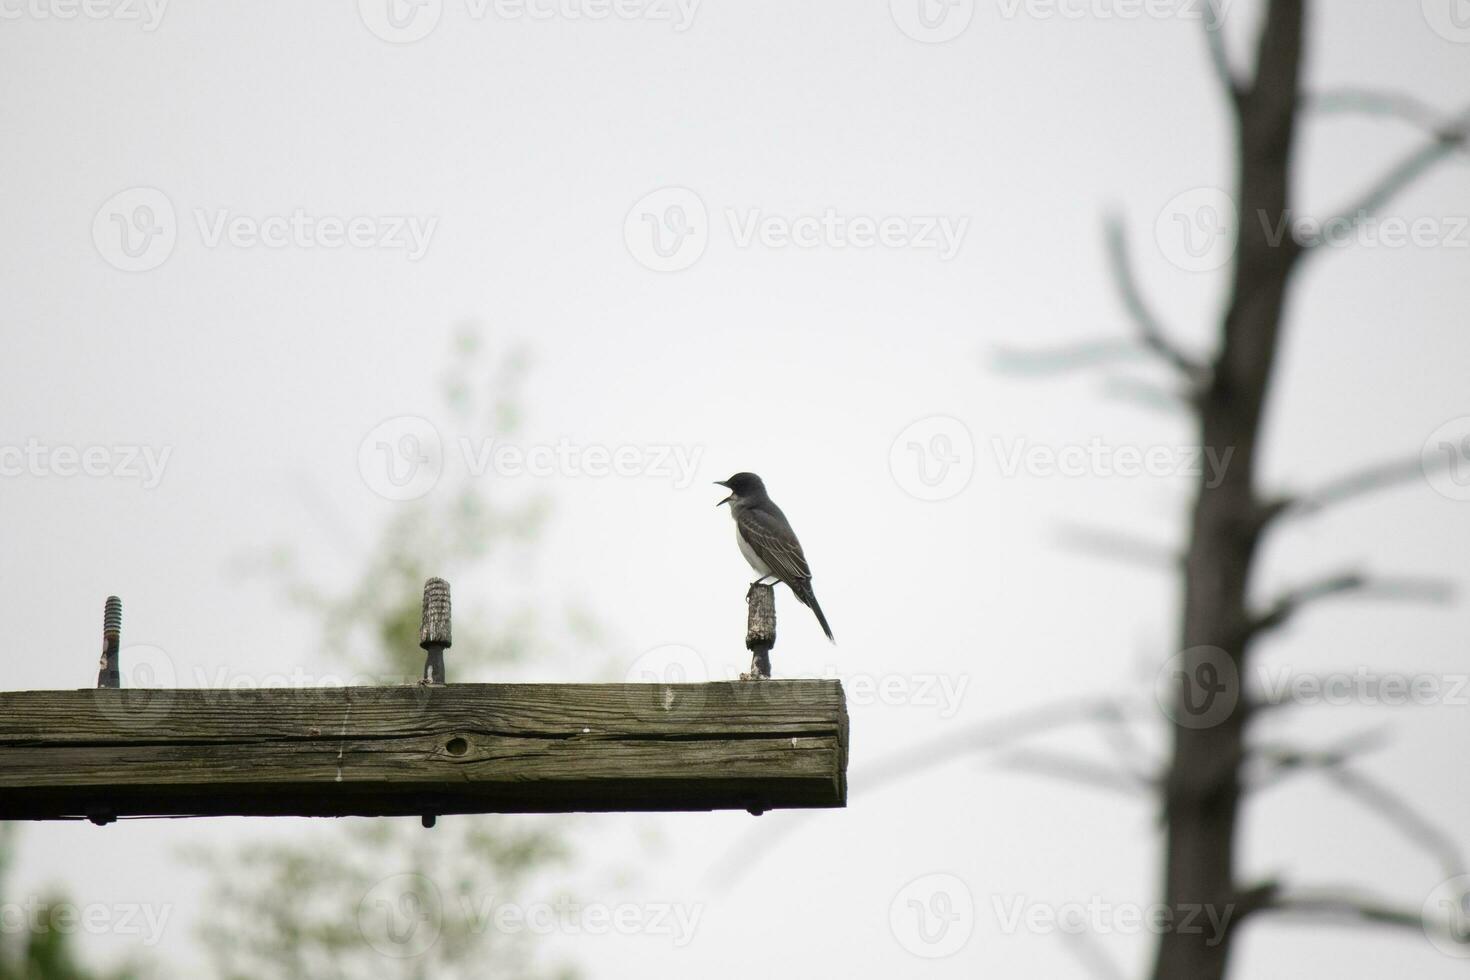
(741, 486)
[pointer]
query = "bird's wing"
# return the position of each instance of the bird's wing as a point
(772, 539)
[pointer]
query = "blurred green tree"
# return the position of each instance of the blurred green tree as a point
(388, 897)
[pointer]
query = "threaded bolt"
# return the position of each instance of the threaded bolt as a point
(435, 630)
(112, 617)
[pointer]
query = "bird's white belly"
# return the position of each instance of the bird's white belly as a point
(749, 553)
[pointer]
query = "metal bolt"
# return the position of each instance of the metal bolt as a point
(108, 674)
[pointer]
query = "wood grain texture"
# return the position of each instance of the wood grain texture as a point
(386, 751)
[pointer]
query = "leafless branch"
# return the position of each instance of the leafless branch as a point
(1214, 23)
(1115, 545)
(1154, 397)
(1293, 601)
(1350, 487)
(1444, 141)
(1283, 761)
(1150, 330)
(1067, 358)
(1402, 815)
(1075, 769)
(1089, 952)
(1345, 905)
(981, 737)
(1374, 102)
(1130, 751)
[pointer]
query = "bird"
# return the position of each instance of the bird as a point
(767, 541)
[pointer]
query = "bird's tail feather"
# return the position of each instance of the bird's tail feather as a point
(802, 589)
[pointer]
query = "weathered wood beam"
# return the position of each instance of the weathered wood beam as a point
(390, 751)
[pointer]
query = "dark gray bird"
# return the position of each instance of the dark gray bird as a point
(767, 541)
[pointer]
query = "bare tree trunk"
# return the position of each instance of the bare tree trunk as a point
(1203, 788)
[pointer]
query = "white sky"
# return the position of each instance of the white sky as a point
(529, 141)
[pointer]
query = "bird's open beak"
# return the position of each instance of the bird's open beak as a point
(726, 485)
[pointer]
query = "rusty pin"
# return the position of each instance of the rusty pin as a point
(435, 637)
(434, 634)
(107, 673)
(760, 630)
